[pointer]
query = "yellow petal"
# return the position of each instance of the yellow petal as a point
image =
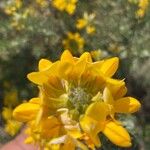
(26, 112)
(53, 87)
(127, 105)
(35, 100)
(95, 67)
(67, 56)
(50, 127)
(44, 64)
(37, 77)
(98, 111)
(88, 124)
(78, 70)
(107, 96)
(65, 69)
(69, 143)
(86, 57)
(92, 128)
(117, 90)
(114, 81)
(110, 66)
(43, 76)
(117, 134)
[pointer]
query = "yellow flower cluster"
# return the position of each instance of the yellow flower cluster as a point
(78, 100)
(10, 101)
(143, 4)
(18, 11)
(74, 42)
(87, 23)
(13, 7)
(65, 5)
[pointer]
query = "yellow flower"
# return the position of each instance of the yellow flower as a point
(12, 7)
(81, 23)
(12, 127)
(74, 42)
(65, 5)
(96, 54)
(87, 23)
(78, 100)
(92, 123)
(143, 4)
(7, 113)
(90, 29)
(114, 47)
(11, 98)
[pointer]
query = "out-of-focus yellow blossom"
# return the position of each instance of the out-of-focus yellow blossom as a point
(143, 4)
(18, 14)
(11, 98)
(10, 101)
(74, 42)
(7, 113)
(13, 7)
(18, 18)
(87, 23)
(90, 29)
(96, 54)
(12, 127)
(17, 25)
(65, 5)
(114, 47)
(78, 100)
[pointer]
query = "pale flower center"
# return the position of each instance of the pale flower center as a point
(79, 98)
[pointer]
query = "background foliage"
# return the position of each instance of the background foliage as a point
(30, 30)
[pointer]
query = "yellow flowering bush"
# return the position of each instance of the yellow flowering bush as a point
(86, 22)
(143, 5)
(78, 101)
(65, 5)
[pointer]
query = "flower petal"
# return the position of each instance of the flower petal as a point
(43, 76)
(37, 77)
(67, 56)
(117, 90)
(50, 127)
(65, 68)
(86, 57)
(90, 126)
(117, 134)
(110, 66)
(107, 96)
(97, 111)
(35, 100)
(127, 105)
(26, 112)
(44, 64)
